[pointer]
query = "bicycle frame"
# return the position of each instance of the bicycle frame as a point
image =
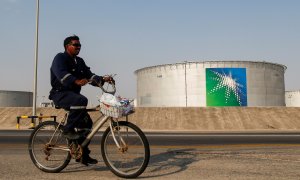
(96, 127)
(98, 124)
(62, 122)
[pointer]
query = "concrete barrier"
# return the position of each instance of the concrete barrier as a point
(185, 119)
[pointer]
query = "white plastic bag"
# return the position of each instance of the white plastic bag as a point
(113, 106)
(110, 99)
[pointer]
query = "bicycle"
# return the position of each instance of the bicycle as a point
(124, 147)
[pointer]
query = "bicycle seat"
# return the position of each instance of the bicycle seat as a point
(59, 107)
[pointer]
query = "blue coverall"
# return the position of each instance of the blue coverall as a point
(66, 94)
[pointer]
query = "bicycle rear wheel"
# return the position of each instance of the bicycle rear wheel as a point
(48, 149)
(132, 158)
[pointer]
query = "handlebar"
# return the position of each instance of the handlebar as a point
(110, 92)
(112, 83)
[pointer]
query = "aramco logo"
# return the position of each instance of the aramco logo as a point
(226, 87)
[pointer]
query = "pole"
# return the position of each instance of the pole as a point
(36, 58)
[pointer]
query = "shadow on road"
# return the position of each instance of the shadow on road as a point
(170, 162)
(163, 164)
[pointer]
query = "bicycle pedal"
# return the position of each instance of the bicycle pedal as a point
(76, 151)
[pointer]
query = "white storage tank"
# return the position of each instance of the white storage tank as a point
(15, 99)
(211, 84)
(292, 98)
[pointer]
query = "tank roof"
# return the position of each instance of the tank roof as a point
(212, 62)
(9, 91)
(293, 91)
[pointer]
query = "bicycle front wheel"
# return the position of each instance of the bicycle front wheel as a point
(47, 147)
(131, 159)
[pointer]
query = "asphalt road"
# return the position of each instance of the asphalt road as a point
(175, 156)
(182, 138)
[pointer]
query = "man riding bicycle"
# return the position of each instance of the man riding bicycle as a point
(68, 73)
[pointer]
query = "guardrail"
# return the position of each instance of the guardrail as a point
(33, 120)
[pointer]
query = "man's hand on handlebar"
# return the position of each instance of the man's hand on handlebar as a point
(109, 79)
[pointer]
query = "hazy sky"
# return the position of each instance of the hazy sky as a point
(121, 36)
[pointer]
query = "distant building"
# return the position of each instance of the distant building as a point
(15, 98)
(47, 104)
(292, 98)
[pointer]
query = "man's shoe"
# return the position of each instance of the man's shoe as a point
(71, 135)
(87, 160)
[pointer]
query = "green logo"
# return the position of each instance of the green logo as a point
(226, 87)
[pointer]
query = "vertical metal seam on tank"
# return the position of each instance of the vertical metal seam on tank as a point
(185, 83)
(265, 84)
